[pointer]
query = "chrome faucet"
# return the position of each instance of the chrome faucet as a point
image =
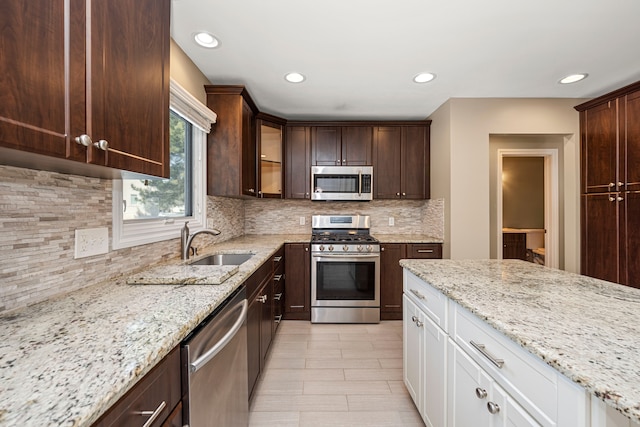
(186, 239)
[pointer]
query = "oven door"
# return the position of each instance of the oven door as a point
(341, 280)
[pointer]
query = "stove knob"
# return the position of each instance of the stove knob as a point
(345, 248)
(330, 247)
(321, 248)
(360, 248)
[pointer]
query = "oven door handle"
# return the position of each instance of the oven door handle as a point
(346, 256)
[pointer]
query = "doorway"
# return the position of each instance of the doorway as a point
(548, 234)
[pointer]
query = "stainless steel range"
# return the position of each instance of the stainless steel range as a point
(345, 270)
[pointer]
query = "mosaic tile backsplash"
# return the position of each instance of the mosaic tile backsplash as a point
(40, 211)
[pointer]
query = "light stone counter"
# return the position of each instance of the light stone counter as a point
(67, 360)
(407, 238)
(587, 329)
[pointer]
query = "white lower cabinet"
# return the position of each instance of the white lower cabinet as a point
(475, 399)
(424, 353)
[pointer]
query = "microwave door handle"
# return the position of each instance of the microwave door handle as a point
(360, 183)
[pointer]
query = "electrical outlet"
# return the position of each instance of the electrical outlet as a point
(392, 221)
(91, 241)
(302, 220)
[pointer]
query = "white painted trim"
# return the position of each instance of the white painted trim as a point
(552, 200)
(188, 106)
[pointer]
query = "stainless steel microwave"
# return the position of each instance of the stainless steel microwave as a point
(342, 183)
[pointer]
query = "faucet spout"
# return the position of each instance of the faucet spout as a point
(187, 239)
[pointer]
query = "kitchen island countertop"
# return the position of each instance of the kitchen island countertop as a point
(67, 360)
(587, 329)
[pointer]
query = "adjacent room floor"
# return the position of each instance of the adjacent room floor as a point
(334, 375)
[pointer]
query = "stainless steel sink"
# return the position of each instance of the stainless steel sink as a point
(223, 259)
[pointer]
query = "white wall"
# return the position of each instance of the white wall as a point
(460, 165)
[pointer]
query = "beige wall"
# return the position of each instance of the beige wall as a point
(460, 136)
(187, 74)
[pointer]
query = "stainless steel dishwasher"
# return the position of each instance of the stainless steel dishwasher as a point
(214, 363)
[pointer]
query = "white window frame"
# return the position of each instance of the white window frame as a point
(141, 232)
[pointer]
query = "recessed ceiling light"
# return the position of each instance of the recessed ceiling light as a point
(573, 78)
(205, 39)
(294, 77)
(424, 77)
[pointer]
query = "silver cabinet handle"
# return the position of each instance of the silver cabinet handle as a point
(481, 393)
(278, 318)
(153, 414)
(277, 258)
(277, 277)
(262, 299)
(425, 251)
(483, 350)
(296, 306)
(102, 144)
(418, 294)
(493, 407)
(277, 297)
(84, 139)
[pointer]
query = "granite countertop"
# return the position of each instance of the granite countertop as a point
(67, 360)
(406, 238)
(587, 329)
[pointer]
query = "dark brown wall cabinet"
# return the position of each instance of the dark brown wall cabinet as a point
(270, 150)
(610, 178)
(341, 145)
(297, 296)
(97, 71)
(401, 159)
(298, 162)
(161, 384)
(391, 273)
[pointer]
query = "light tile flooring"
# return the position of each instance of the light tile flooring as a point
(334, 375)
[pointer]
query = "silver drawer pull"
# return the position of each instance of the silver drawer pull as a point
(277, 297)
(277, 258)
(277, 277)
(296, 306)
(483, 350)
(418, 294)
(262, 298)
(481, 393)
(425, 251)
(153, 414)
(493, 408)
(278, 318)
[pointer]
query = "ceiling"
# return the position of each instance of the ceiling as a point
(360, 56)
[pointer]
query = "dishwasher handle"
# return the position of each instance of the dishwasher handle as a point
(211, 353)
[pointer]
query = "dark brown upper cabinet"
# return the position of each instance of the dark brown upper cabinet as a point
(298, 162)
(341, 145)
(88, 82)
(231, 146)
(401, 160)
(270, 144)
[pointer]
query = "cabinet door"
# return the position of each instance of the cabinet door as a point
(266, 320)
(435, 377)
(514, 246)
(326, 146)
(600, 251)
(630, 128)
(413, 352)
(297, 295)
(510, 413)
(386, 162)
(415, 163)
(357, 145)
(630, 238)
(468, 393)
(298, 162)
(129, 81)
(270, 149)
(249, 183)
(254, 319)
(391, 280)
(599, 148)
(42, 109)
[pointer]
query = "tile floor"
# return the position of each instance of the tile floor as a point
(334, 375)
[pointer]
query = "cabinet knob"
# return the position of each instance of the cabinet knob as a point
(381, 249)
(481, 393)
(102, 144)
(306, 249)
(493, 408)
(619, 199)
(612, 199)
(85, 140)
(620, 184)
(611, 185)
(404, 194)
(251, 190)
(397, 194)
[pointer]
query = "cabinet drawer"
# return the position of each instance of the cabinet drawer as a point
(160, 385)
(431, 301)
(531, 382)
(424, 250)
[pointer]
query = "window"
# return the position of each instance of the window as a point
(152, 210)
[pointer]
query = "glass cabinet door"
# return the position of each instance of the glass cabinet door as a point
(270, 147)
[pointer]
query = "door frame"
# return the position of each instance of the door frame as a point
(551, 199)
